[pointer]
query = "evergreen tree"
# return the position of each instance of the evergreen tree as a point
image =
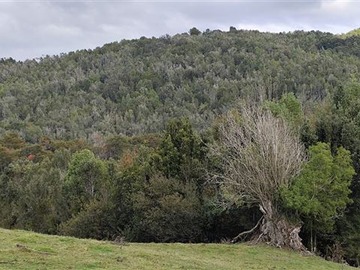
(321, 192)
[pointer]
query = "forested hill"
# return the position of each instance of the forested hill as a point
(136, 86)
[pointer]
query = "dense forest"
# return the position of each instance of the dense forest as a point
(125, 141)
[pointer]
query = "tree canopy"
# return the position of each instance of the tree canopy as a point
(134, 87)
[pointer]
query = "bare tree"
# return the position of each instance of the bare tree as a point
(259, 156)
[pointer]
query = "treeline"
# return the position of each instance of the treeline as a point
(145, 188)
(157, 187)
(136, 86)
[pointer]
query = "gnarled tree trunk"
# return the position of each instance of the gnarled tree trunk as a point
(277, 231)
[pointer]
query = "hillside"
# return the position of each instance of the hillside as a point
(136, 86)
(26, 250)
(354, 32)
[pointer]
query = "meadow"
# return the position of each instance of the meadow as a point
(28, 250)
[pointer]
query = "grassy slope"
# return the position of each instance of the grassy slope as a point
(25, 250)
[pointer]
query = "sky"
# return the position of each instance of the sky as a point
(33, 29)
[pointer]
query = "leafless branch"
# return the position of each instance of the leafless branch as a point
(235, 239)
(259, 153)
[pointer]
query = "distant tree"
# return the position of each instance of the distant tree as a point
(12, 140)
(289, 108)
(6, 157)
(232, 29)
(86, 180)
(181, 151)
(31, 196)
(194, 31)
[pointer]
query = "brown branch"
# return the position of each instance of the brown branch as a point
(235, 239)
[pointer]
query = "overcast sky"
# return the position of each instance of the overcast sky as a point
(31, 29)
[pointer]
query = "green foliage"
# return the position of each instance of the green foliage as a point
(354, 32)
(12, 140)
(348, 229)
(167, 210)
(182, 152)
(321, 191)
(31, 196)
(86, 180)
(338, 123)
(95, 221)
(135, 87)
(289, 108)
(129, 175)
(6, 157)
(194, 31)
(308, 134)
(346, 44)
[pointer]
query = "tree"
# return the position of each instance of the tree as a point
(95, 221)
(321, 192)
(86, 179)
(338, 123)
(167, 210)
(259, 155)
(6, 157)
(194, 31)
(12, 140)
(289, 108)
(31, 196)
(181, 152)
(232, 29)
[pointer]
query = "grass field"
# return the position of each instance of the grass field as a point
(26, 250)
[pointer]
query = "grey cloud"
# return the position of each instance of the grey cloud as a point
(32, 29)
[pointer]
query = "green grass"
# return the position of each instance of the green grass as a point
(27, 250)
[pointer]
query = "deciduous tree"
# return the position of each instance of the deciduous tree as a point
(259, 155)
